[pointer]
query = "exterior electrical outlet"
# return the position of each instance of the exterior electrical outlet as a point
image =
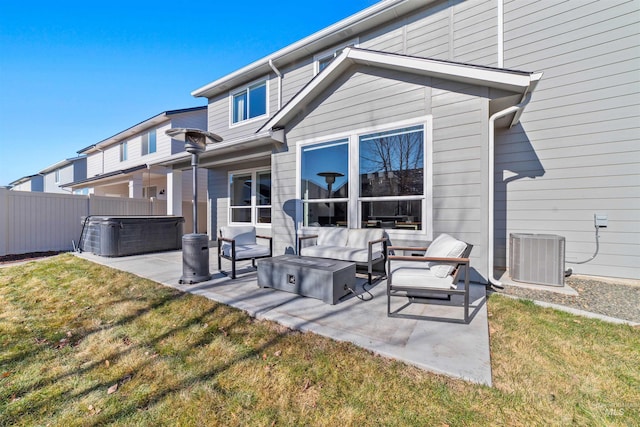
(601, 221)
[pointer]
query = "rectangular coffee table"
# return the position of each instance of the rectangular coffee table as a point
(325, 279)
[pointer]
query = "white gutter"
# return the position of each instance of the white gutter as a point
(279, 74)
(491, 232)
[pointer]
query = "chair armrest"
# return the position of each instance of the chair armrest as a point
(308, 236)
(263, 237)
(226, 239)
(407, 248)
(427, 259)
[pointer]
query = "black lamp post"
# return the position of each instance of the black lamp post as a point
(195, 247)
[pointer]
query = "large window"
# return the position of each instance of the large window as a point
(325, 183)
(249, 103)
(388, 180)
(250, 197)
(149, 142)
(392, 178)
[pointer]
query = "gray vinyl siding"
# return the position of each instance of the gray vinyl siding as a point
(576, 151)
(381, 98)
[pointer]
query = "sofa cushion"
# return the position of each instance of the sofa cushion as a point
(332, 236)
(246, 251)
(416, 274)
(360, 238)
(243, 234)
(444, 246)
(341, 253)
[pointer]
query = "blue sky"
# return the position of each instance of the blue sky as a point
(74, 73)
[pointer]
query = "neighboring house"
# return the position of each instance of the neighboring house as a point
(57, 176)
(125, 164)
(54, 178)
(477, 118)
(28, 183)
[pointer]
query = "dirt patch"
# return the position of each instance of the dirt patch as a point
(7, 259)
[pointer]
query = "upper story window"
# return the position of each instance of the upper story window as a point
(57, 173)
(249, 102)
(149, 142)
(323, 59)
(123, 151)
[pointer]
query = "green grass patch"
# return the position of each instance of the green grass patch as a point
(83, 344)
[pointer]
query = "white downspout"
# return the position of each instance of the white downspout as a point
(279, 74)
(495, 116)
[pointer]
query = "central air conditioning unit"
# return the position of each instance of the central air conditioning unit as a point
(537, 258)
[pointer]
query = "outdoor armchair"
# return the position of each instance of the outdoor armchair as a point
(430, 276)
(238, 243)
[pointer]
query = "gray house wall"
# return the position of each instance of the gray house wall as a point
(574, 153)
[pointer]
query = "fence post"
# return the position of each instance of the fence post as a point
(4, 221)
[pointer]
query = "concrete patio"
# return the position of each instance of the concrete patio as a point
(455, 349)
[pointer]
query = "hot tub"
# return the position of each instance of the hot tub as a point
(114, 236)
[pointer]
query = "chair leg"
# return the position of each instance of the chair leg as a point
(233, 269)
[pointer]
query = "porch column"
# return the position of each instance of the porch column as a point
(174, 192)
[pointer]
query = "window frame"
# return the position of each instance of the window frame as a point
(245, 89)
(254, 206)
(145, 141)
(124, 151)
(56, 177)
(354, 200)
(332, 52)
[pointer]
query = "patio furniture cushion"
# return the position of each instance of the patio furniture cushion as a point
(413, 274)
(444, 246)
(246, 251)
(243, 234)
(360, 238)
(342, 253)
(332, 236)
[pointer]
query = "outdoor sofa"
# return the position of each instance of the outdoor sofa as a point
(367, 248)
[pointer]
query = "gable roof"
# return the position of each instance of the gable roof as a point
(152, 121)
(511, 80)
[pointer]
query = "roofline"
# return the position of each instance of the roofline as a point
(23, 179)
(512, 80)
(139, 126)
(61, 163)
(344, 29)
(107, 175)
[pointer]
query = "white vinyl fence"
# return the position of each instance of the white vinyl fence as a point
(37, 222)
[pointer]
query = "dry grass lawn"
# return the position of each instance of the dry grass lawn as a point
(83, 344)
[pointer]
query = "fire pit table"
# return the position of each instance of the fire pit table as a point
(321, 278)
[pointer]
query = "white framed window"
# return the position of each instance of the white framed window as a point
(249, 102)
(149, 143)
(123, 151)
(324, 58)
(250, 197)
(375, 177)
(57, 176)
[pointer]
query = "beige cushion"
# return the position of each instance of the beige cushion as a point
(444, 246)
(242, 234)
(332, 236)
(360, 238)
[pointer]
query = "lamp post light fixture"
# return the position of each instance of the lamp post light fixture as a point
(195, 247)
